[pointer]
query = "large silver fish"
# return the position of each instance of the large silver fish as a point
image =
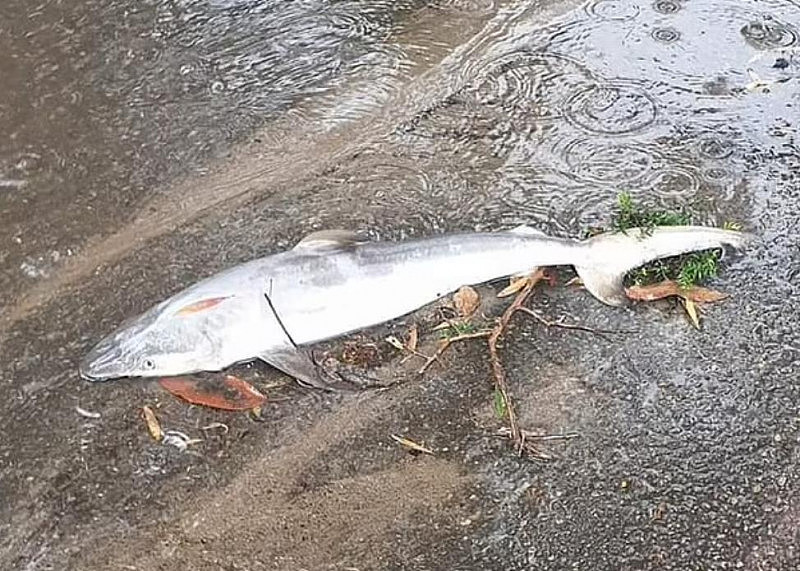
(333, 282)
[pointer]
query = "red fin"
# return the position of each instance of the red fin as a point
(235, 394)
(201, 305)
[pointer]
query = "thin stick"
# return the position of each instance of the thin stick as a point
(447, 342)
(413, 353)
(549, 323)
(497, 366)
(530, 435)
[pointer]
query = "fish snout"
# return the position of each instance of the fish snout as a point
(101, 363)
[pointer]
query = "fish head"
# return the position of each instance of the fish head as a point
(156, 343)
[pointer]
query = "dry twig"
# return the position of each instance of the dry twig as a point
(574, 326)
(497, 366)
(513, 431)
(446, 343)
(531, 435)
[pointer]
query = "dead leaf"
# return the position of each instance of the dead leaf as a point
(410, 444)
(395, 342)
(153, 426)
(444, 325)
(232, 394)
(360, 354)
(703, 295)
(515, 284)
(466, 300)
(669, 288)
(659, 512)
(413, 338)
(691, 311)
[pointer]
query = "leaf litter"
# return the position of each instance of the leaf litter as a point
(515, 283)
(670, 288)
(153, 425)
(411, 445)
(176, 438)
(466, 300)
(677, 276)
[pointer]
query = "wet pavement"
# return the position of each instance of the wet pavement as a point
(148, 144)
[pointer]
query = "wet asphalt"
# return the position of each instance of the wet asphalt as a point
(147, 145)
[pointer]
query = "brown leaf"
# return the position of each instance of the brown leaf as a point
(361, 354)
(410, 444)
(515, 284)
(669, 288)
(413, 338)
(691, 311)
(702, 295)
(443, 326)
(395, 342)
(232, 394)
(153, 426)
(466, 300)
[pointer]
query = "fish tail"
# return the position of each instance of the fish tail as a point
(609, 256)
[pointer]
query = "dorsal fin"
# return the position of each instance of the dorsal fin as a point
(334, 239)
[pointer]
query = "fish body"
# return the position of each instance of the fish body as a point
(333, 283)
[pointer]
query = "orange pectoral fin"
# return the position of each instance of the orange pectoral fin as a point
(232, 394)
(201, 305)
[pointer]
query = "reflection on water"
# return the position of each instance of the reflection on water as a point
(618, 97)
(104, 103)
(104, 100)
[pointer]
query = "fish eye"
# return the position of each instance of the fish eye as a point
(149, 364)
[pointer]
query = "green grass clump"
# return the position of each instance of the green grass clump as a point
(457, 328)
(631, 215)
(698, 268)
(688, 269)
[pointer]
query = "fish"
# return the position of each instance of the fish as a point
(334, 282)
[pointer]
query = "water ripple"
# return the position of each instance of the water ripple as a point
(769, 34)
(715, 175)
(675, 180)
(613, 108)
(529, 83)
(666, 6)
(618, 10)
(377, 189)
(472, 6)
(714, 146)
(666, 35)
(606, 162)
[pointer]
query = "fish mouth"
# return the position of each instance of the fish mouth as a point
(101, 363)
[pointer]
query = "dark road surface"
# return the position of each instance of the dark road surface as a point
(148, 144)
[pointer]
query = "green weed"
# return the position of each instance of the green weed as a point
(457, 328)
(689, 269)
(631, 215)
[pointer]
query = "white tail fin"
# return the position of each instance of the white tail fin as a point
(611, 255)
